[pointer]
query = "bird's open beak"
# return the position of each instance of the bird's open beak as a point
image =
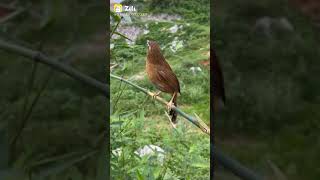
(148, 42)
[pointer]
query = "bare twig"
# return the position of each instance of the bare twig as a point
(25, 115)
(114, 29)
(112, 66)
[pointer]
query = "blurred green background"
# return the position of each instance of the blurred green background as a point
(269, 52)
(63, 136)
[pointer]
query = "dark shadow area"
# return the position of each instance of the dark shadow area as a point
(56, 122)
(269, 53)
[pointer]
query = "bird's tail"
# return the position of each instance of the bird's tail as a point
(173, 113)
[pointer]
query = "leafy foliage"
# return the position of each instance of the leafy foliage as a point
(186, 152)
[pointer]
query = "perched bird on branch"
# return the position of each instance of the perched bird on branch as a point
(219, 97)
(161, 75)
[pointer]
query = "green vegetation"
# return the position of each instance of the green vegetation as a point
(272, 87)
(137, 120)
(62, 137)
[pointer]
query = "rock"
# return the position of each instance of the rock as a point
(146, 31)
(151, 150)
(176, 45)
(145, 151)
(284, 24)
(195, 70)
(115, 1)
(132, 32)
(161, 18)
(174, 29)
(267, 26)
(117, 152)
(263, 26)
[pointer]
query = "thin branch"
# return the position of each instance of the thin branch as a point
(12, 15)
(55, 64)
(191, 119)
(25, 115)
(114, 29)
(31, 108)
(115, 102)
(234, 166)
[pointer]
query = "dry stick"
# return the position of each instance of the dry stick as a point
(55, 64)
(193, 120)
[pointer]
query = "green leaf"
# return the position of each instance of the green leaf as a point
(201, 165)
(115, 16)
(139, 175)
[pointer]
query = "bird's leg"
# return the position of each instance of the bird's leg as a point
(154, 95)
(170, 103)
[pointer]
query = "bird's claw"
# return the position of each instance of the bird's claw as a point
(169, 106)
(154, 95)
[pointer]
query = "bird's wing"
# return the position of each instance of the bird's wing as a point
(168, 79)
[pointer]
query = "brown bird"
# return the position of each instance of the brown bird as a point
(161, 75)
(219, 97)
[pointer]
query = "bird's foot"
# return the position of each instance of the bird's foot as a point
(169, 106)
(154, 95)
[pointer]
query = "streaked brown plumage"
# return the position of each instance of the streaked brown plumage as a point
(218, 82)
(162, 76)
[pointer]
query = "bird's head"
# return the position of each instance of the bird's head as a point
(153, 46)
(154, 52)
